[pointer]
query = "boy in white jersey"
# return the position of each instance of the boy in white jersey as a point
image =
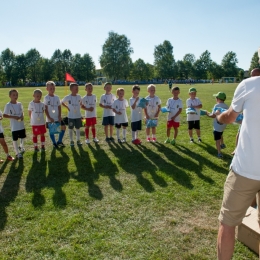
(72, 103)
(53, 113)
(14, 111)
(152, 111)
(36, 110)
(136, 114)
(88, 103)
(174, 105)
(106, 102)
(194, 119)
(119, 108)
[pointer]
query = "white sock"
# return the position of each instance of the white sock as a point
(78, 134)
(124, 133)
(118, 133)
(133, 135)
(154, 136)
(136, 134)
(15, 147)
(21, 142)
(71, 134)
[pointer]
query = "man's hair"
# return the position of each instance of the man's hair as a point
(73, 85)
(52, 83)
(136, 87)
(37, 91)
(13, 90)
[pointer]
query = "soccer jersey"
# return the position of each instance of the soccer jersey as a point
(88, 102)
(152, 106)
(191, 103)
(73, 103)
(120, 106)
(15, 110)
(219, 127)
(37, 113)
(52, 103)
(137, 112)
(107, 100)
(174, 106)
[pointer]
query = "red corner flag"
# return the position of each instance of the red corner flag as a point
(68, 77)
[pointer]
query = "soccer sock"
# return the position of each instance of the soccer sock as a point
(133, 135)
(94, 132)
(43, 139)
(118, 133)
(61, 134)
(35, 140)
(124, 133)
(71, 134)
(87, 133)
(15, 147)
(136, 134)
(78, 134)
(21, 142)
(154, 135)
(53, 138)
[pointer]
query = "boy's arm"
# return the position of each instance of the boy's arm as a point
(134, 104)
(146, 114)
(180, 110)
(11, 117)
(59, 109)
(158, 111)
(65, 105)
(30, 113)
(47, 114)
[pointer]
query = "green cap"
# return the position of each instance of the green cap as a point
(192, 90)
(220, 95)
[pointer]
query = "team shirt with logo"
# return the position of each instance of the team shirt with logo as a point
(88, 102)
(120, 106)
(174, 106)
(73, 102)
(190, 103)
(152, 106)
(52, 103)
(107, 100)
(37, 113)
(137, 112)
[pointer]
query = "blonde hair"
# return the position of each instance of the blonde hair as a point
(151, 86)
(119, 89)
(73, 85)
(48, 83)
(37, 91)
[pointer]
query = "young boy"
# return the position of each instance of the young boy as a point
(36, 110)
(53, 113)
(194, 119)
(106, 102)
(174, 104)
(3, 143)
(152, 111)
(219, 128)
(88, 103)
(136, 114)
(14, 111)
(72, 103)
(119, 108)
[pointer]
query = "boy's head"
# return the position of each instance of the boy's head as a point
(255, 72)
(89, 87)
(151, 89)
(176, 91)
(13, 94)
(74, 88)
(192, 92)
(37, 94)
(108, 87)
(120, 92)
(50, 87)
(221, 96)
(135, 90)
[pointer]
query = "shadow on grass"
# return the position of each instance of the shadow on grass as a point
(85, 172)
(10, 189)
(36, 179)
(104, 166)
(3, 166)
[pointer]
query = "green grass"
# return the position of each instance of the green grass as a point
(112, 201)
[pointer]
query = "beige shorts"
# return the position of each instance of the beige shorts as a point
(239, 193)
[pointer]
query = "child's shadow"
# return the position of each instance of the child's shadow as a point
(104, 166)
(10, 189)
(85, 172)
(36, 179)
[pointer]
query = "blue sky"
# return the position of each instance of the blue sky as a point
(82, 26)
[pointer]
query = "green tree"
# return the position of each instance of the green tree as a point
(33, 63)
(163, 60)
(47, 69)
(241, 74)
(150, 71)
(180, 69)
(254, 62)
(88, 67)
(57, 61)
(229, 64)
(19, 72)
(66, 61)
(140, 70)
(189, 57)
(7, 61)
(216, 71)
(115, 59)
(202, 65)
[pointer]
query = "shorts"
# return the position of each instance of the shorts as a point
(217, 135)
(239, 193)
(121, 124)
(108, 120)
(2, 135)
(18, 134)
(61, 123)
(136, 126)
(194, 124)
(173, 124)
(91, 121)
(75, 122)
(39, 129)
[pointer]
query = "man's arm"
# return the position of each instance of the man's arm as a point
(226, 117)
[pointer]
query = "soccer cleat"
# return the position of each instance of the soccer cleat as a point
(136, 141)
(222, 146)
(173, 142)
(199, 140)
(220, 155)
(36, 149)
(119, 140)
(95, 140)
(123, 140)
(167, 141)
(1, 161)
(19, 156)
(87, 141)
(112, 139)
(154, 139)
(79, 142)
(60, 144)
(9, 158)
(71, 143)
(139, 140)
(21, 149)
(108, 139)
(191, 140)
(43, 148)
(55, 146)
(148, 139)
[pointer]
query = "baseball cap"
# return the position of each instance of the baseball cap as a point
(192, 90)
(220, 95)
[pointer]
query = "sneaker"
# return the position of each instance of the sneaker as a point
(136, 141)
(71, 143)
(87, 141)
(55, 146)
(19, 156)
(222, 146)
(199, 140)
(119, 140)
(60, 144)
(123, 140)
(36, 149)
(148, 139)
(21, 149)
(220, 155)
(95, 140)
(112, 139)
(191, 140)
(79, 142)
(173, 142)
(154, 139)
(108, 139)
(9, 158)
(1, 161)
(139, 140)
(167, 141)
(43, 148)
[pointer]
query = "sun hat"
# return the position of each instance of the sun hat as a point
(192, 90)
(220, 95)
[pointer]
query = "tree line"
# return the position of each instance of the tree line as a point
(116, 63)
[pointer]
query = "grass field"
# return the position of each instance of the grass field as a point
(112, 201)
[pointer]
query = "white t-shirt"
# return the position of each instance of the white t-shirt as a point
(1, 127)
(152, 106)
(14, 110)
(246, 159)
(37, 115)
(120, 106)
(73, 102)
(52, 104)
(88, 102)
(174, 107)
(137, 113)
(193, 102)
(219, 127)
(107, 100)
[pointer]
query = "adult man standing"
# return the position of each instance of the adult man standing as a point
(243, 181)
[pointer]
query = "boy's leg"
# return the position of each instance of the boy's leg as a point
(154, 134)
(35, 140)
(93, 130)
(106, 130)
(218, 146)
(61, 134)
(42, 140)
(111, 130)
(175, 132)
(124, 132)
(190, 133)
(71, 134)
(52, 136)
(148, 134)
(168, 132)
(87, 132)
(4, 145)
